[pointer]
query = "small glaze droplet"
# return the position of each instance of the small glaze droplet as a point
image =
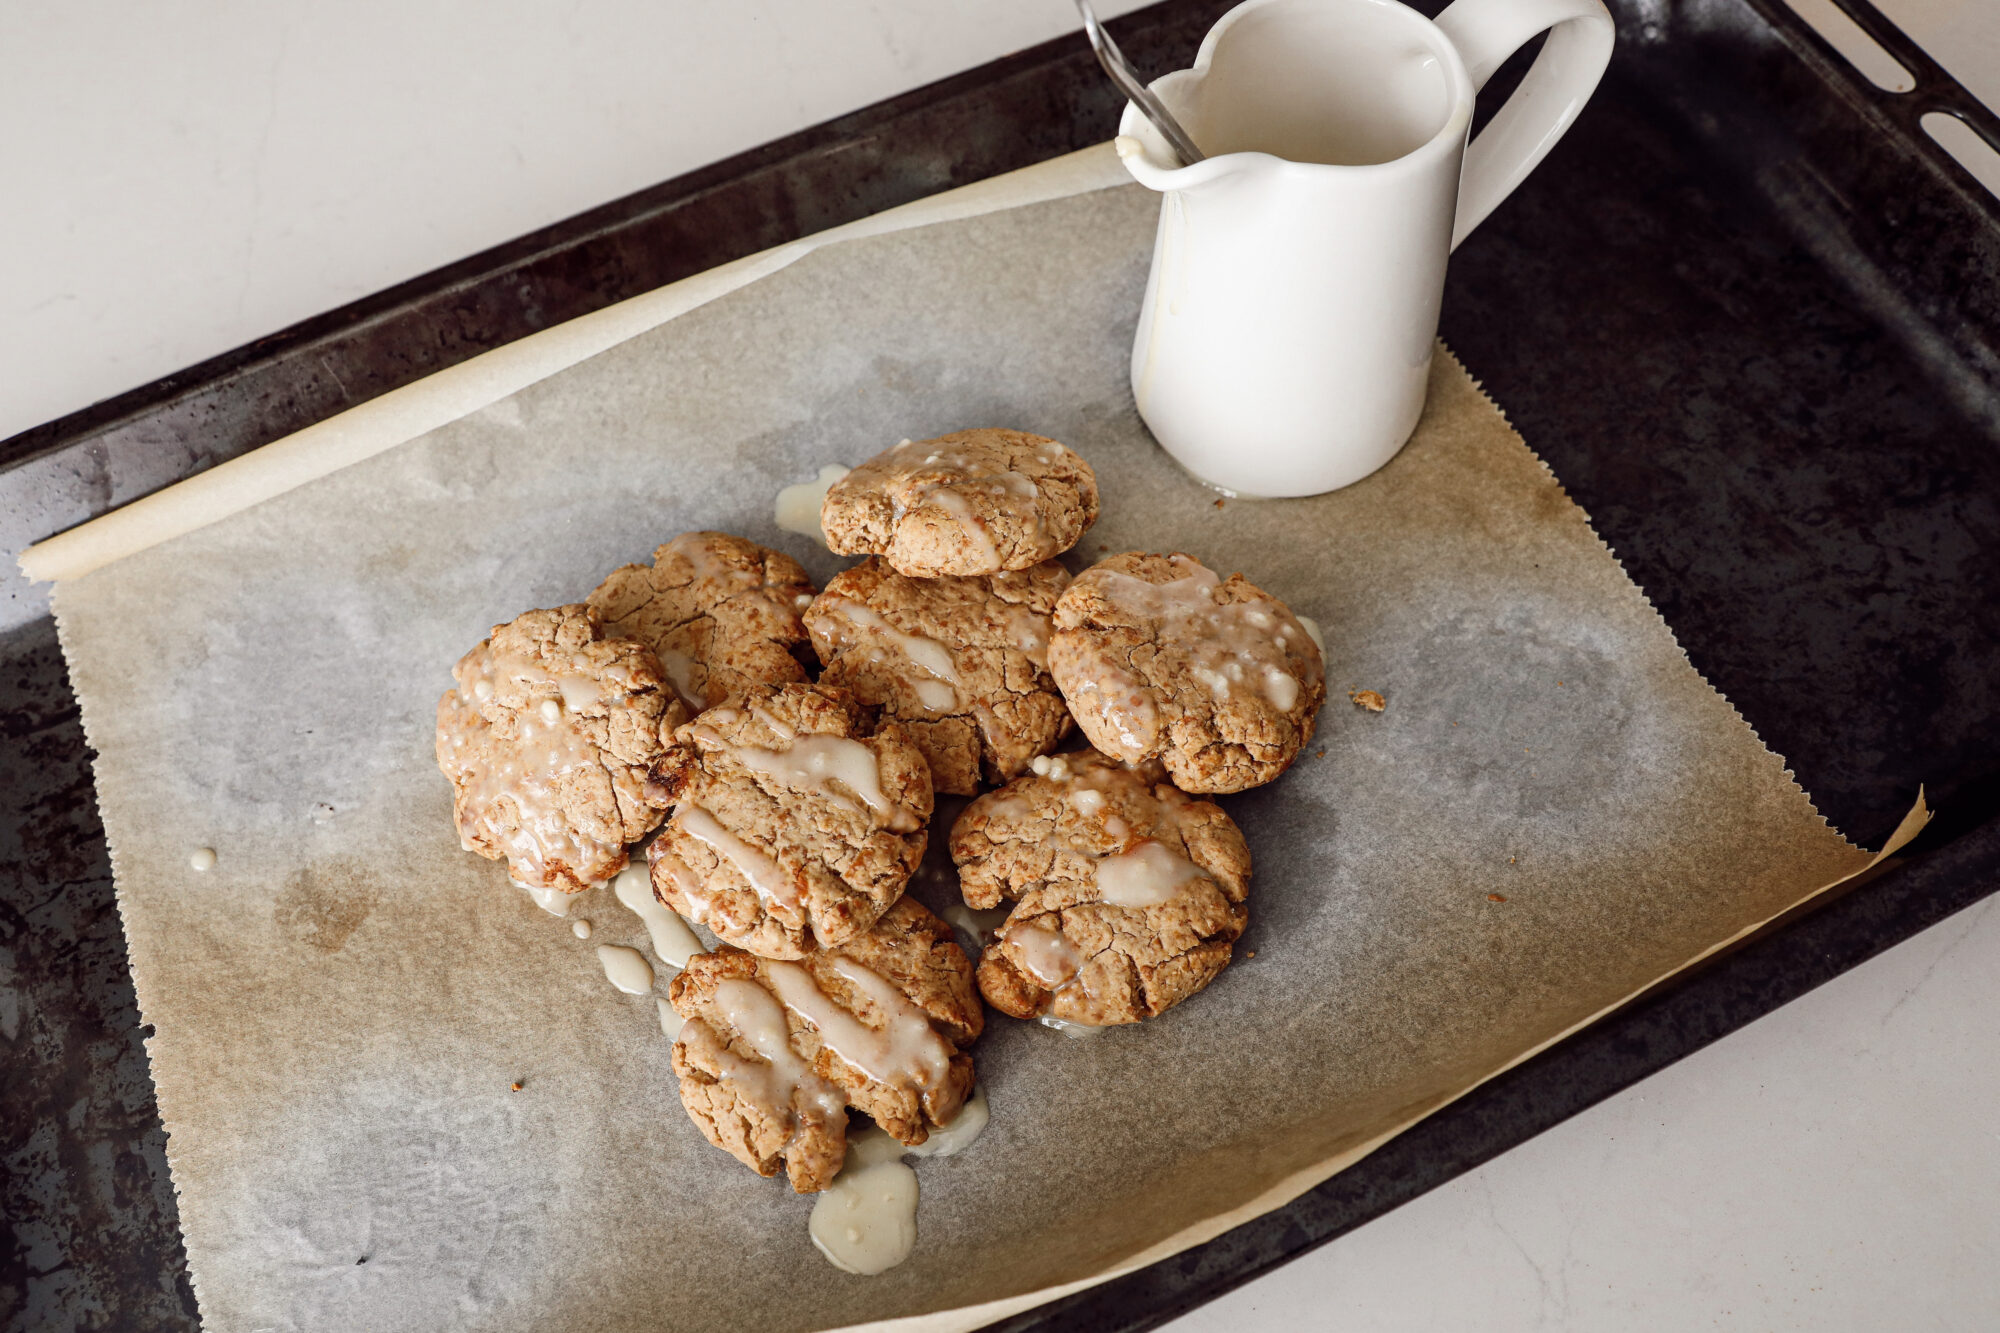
(203, 858)
(580, 928)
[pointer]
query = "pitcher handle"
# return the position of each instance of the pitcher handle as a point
(1561, 80)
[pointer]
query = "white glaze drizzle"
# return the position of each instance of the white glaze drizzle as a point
(1280, 688)
(202, 858)
(553, 901)
(779, 1078)
(694, 550)
(580, 927)
(783, 1078)
(1068, 1027)
(1145, 876)
(1232, 647)
(906, 1053)
(626, 968)
(671, 1021)
(780, 728)
(763, 874)
(976, 928)
(680, 674)
(945, 496)
(798, 507)
(866, 1221)
(811, 762)
(1029, 632)
(851, 623)
(1122, 702)
(960, 1134)
(1044, 954)
(964, 474)
(673, 942)
(1091, 785)
(548, 745)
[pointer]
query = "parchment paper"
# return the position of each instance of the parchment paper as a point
(342, 1003)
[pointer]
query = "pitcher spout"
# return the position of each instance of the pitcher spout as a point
(1153, 164)
(1152, 161)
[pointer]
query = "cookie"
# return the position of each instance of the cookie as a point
(721, 612)
(961, 662)
(796, 818)
(972, 502)
(548, 739)
(1128, 894)
(1159, 658)
(773, 1053)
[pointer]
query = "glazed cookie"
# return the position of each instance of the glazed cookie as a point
(547, 740)
(1129, 894)
(961, 662)
(721, 612)
(1159, 658)
(796, 819)
(972, 502)
(773, 1053)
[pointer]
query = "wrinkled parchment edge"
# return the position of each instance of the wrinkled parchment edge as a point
(416, 409)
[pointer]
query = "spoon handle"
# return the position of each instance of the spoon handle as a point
(1113, 60)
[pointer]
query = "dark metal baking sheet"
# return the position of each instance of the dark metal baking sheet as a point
(1747, 311)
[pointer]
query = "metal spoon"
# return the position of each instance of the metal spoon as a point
(1113, 60)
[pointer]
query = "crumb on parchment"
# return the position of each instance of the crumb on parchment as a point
(1368, 699)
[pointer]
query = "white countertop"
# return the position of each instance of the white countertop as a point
(184, 179)
(1834, 1165)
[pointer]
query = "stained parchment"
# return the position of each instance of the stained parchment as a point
(1552, 812)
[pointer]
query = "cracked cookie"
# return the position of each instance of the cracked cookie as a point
(547, 739)
(796, 818)
(721, 612)
(1128, 894)
(961, 662)
(972, 502)
(773, 1053)
(1157, 657)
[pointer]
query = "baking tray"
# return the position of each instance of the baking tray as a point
(1747, 310)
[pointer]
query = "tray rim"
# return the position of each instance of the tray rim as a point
(1934, 877)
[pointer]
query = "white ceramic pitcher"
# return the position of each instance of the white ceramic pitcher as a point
(1286, 335)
